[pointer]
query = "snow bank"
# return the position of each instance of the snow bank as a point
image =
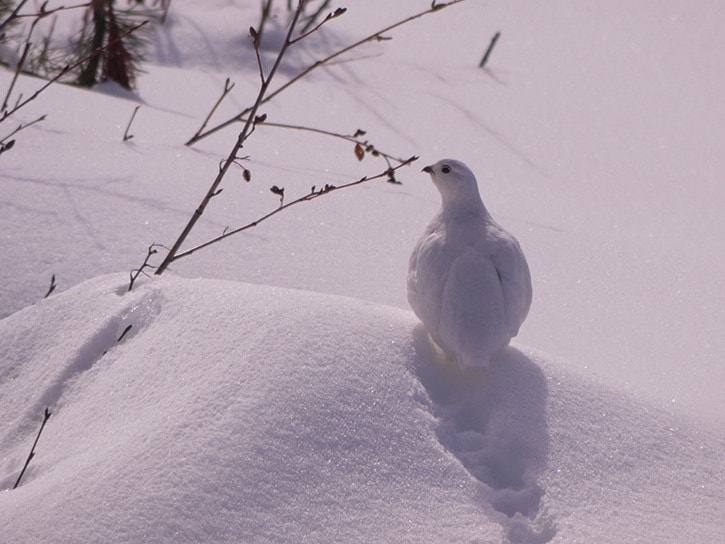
(238, 413)
(229, 413)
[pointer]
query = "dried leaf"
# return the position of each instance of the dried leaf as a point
(247, 175)
(359, 152)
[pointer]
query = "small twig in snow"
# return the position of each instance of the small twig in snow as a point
(136, 272)
(32, 450)
(23, 126)
(128, 328)
(126, 135)
(51, 288)
(228, 86)
(487, 54)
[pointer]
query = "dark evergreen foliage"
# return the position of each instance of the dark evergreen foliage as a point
(103, 28)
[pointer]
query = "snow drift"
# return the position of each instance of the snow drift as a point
(313, 418)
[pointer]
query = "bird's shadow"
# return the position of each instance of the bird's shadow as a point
(495, 423)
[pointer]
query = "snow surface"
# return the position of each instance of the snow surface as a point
(276, 387)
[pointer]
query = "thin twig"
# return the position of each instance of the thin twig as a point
(51, 288)
(487, 54)
(32, 450)
(6, 144)
(14, 15)
(313, 18)
(126, 135)
(28, 44)
(135, 273)
(125, 331)
(266, 10)
(237, 146)
(330, 16)
(46, 12)
(228, 86)
(365, 145)
(256, 41)
(313, 194)
(377, 36)
(18, 69)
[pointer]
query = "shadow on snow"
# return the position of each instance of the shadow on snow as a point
(495, 424)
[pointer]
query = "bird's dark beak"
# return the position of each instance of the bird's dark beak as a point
(428, 170)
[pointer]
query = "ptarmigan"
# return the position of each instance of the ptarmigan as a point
(468, 280)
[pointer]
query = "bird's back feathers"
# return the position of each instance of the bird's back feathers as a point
(468, 279)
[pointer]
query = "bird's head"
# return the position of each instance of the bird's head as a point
(457, 185)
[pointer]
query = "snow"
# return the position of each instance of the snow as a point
(276, 387)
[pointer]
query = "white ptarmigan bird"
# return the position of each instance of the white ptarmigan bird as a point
(468, 280)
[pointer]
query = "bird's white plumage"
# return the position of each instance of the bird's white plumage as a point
(468, 280)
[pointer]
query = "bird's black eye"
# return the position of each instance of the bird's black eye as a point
(446, 169)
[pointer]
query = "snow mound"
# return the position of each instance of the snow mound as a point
(231, 412)
(228, 413)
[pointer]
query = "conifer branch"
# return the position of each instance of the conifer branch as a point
(68, 68)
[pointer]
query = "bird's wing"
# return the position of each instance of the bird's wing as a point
(515, 278)
(425, 278)
(473, 319)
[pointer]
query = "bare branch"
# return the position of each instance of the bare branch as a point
(266, 12)
(330, 16)
(315, 16)
(313, 194)
(42, 12)
(135, 273)
(18, 69)
(14, 15)
(377, 36)
(6, 143)
(248, 126)
(364, 145)
(228, 86)
(255, 39)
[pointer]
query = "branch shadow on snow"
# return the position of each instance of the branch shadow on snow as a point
(495, 424)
